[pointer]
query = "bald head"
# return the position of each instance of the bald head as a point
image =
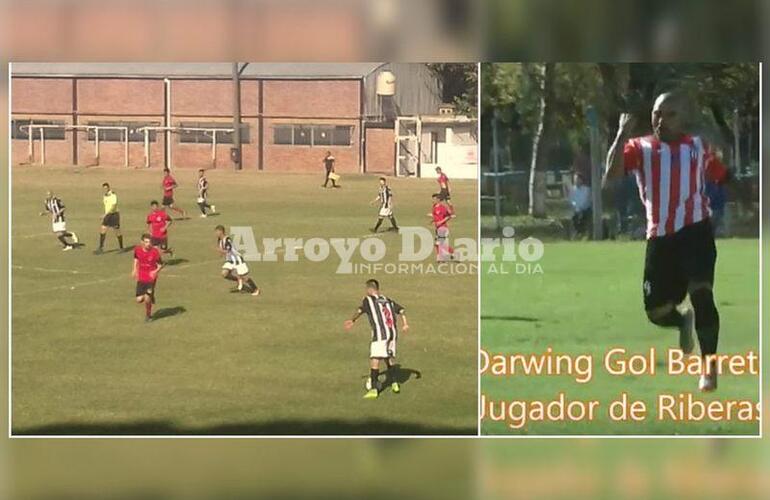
(668, 116)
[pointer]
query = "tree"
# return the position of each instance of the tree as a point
(459, 85)
(544, 78)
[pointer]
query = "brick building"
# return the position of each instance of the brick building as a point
(291, 114)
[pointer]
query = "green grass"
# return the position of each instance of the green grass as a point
(587, 300)
(84, 362)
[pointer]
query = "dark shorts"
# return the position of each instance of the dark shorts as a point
(160, 242)
(673, 262)
(144, 288)
(112, 220)
(167, 201)
(444, 195)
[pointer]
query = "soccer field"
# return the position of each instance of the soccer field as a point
(588, 299)
(84, 362)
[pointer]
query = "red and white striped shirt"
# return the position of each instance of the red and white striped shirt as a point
(671, 177)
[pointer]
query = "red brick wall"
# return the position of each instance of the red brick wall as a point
(57, 152)
(283, 158)
(120, 97)
(380, 151)
(212, 98)
(312, 98)
(187, 155)
(49, 96)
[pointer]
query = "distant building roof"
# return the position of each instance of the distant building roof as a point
(196, 70)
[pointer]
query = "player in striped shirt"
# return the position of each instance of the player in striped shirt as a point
(54, 206)
(203, 193)
(382, 313)
(385, 197)
(234, 268)
(671, 169)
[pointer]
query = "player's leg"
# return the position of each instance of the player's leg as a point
(119, 236)
(102, 236)
(700, 245)
(664, 287)
(60, 235)
(391, 376)
(393, 222)
(378, 224)
(247, 283)
(374, 378)
(326, 178)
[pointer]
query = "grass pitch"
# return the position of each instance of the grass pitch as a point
(84, 362)
(587, 300)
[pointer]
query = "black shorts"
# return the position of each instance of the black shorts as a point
(144, 288)
(160, 242)
(673, 262)
(112, 220)
(167, 201)
(444, 195)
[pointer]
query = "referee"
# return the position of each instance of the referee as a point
(111, 218)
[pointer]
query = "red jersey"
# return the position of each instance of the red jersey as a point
(168, 186)
(440, 212)
(147, 263)
(671, 178)
(157, 220)
(443, 181)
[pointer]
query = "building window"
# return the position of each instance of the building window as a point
(207, 136)
(313, 135)
(53, 134)
(116, 135)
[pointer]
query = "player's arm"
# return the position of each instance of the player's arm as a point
(135, 267)
(349, 323)
(402, 312)
(615, 168)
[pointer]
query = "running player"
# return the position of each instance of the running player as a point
(147, 264)
(385, 197)
(169, 184)
(443, 185)
(671, 169)
(203, 192)
(382, 313)
(158, 222)
(111, 218)
(54, 206)
(441, 215)
(234, 268)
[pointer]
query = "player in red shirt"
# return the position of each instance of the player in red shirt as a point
(443, 185)
(169, 184)
(441, 215)
(147, 264)
(671, 168)
(158, 222)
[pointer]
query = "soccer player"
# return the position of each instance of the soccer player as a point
(158, 222)
(382, 312)
(328, 163)
(54, 206)
(385, 197)
(671, 169)
(203, 192)
(111, 217)
(169, 184)
(147, 265)
(441, 215)
(234, 268)
(443, 185)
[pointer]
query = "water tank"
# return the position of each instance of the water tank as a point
(386, 83)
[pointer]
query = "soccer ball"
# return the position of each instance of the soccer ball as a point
(368, 383)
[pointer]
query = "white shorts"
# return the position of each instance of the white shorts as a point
(240, 269)
(442, 233)
(59, 226)
(201, 200)
(386, 212)
(382, 349)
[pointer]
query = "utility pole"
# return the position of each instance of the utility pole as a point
(236, 150)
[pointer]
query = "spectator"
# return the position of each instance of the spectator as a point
(579, 196)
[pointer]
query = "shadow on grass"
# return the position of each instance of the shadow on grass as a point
(527, 319)
(331, 427)
(167, 312)
(175, 261)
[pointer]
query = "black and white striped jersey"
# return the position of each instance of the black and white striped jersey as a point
(55, 207)
(386, 197)
(231, 253)
(203, 187)
(382, 313)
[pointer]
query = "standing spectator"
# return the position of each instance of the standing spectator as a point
(328, 162)
(579, 197)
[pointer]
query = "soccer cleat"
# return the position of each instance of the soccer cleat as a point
(371, 394)
(686, 342)
(256, 292)
(67, 247)
(203, 216)
(395, 387)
